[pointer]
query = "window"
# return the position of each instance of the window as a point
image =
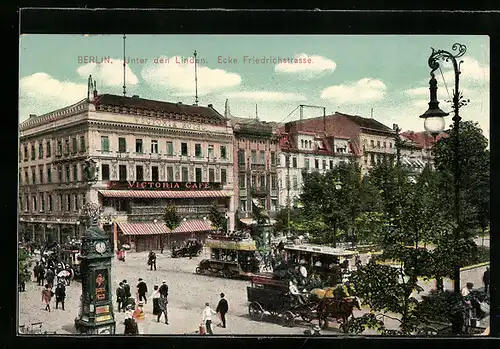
(184, 149)
(372, 159)
(75, 197)
(68, 203)
(75, 145)
(210, 151)
(331, 165)
(262, 157)
(254, 157)
(211, 175)
(154, 173)
(49, 174)
(197, 150)
(34, 204)
(273, 158)
(390, 144)
(41, 175)
(184, 174)
(170, 148)
(223, 152)
(242, 180)
(25, 153)
(60, 174)
(198, 174)
(82, 144)
(50, 203)
(138, 146)
(32, 152)
(223, 176)
(306, 163)
(59, 148)
(139, 173)
(254, 181)
(26, 178)
(243, 205)
(324, 164)
(59, 202)
(385, 145)
(122, 145)
(40, 150)
(274, 204)
(84, 199)
(104, 144)
(20, 204)
(49, 150)
(33, 175)
(241, 157)
(105, 172)
(316, 163)
(263, 181)
(274, 181)
(372, 143)
(378, 144)
(294, 162)
(170, 174)
(310, 144)
(302, 143)
(154, 146)
(66, 168)
(75, 173)
(294, 182)
(66, 146)
(42, 202)
(122, 172)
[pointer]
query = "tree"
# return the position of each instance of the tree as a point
(217, 218)
(170, 217)
(23, 265)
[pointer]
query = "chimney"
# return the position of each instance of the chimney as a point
(32, 116)
(135, 96)
(210, 105)
(179, 102)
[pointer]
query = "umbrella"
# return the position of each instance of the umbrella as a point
(126, 246)
(63, 274)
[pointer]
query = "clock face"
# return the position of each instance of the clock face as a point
(100, 247)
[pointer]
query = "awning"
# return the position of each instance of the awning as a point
(165, 194)
(248, 221)
(193, 226)
(142, 228)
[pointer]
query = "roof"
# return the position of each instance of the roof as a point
(248, 245)
(422, 139)
(208, 113)
(321, 249)
(365, 122)
(165, 194)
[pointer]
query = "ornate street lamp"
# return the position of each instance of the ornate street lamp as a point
(434, 123)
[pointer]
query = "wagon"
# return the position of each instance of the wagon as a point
(191, 248)
(267, 295)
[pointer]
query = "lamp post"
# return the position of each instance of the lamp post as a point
(434, 124)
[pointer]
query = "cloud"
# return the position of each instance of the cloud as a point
(471, 71)
(41, 93)
(265, 96)
(179, 77)
(364, 90)
(318, 66)
(108, 74)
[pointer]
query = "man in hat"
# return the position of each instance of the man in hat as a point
(126, 289)
(142, 289)
(222, 309)
(486, 279)
(120, 297)
(163, 308)
(152, 260)
(207, 317)
(163, 289)
(130, 324)
(60, 293)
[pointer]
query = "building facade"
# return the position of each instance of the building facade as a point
(415, 151)
(130, 155)
(306, 151)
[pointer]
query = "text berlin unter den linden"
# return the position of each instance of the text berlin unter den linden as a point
(191, 60)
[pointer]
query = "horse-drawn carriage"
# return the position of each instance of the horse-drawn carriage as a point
(272, 296)
(72, 258)
(230, 257)
(191, 248)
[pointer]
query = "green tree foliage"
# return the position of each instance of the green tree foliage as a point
(170, 217)
(217, 218)
(23, 265)
(281, 224)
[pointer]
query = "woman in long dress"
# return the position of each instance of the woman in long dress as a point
(47, 296)
(155, 296)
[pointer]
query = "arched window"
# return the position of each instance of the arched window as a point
(310, 144)
(302, 143)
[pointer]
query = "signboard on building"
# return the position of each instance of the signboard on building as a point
(157, 185)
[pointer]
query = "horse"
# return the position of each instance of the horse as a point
(341, 309)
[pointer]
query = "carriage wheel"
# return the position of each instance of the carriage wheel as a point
(198, 270)
(255, 311)
(198, 253)
(307, 316)
(288, 319)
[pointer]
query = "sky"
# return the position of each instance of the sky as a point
(381, 76)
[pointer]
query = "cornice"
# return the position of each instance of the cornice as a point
(75, 109)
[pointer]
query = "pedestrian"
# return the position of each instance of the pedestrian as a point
(60, 294)
(222, 309)
(163, 308)
(35, 270)
(152, 260)
(69, 274)
(139, 316)
(131, 327)
(142, 289)
(40, 274)
(154, 296)
(49, 276)
(207, 317)
(486, 279)
(120, 297)
(126, 289)
(161, 246)
(47, 295)
(163, 289)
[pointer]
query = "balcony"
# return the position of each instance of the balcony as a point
(258, 167)
(259, 191)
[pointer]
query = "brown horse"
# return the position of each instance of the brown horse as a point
(341, 309)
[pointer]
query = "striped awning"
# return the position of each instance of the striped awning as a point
(165, 194)
(142, 228)
(192, 226)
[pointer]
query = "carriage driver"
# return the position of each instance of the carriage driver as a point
(295, 292)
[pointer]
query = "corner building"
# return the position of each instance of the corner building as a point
(133, 156)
